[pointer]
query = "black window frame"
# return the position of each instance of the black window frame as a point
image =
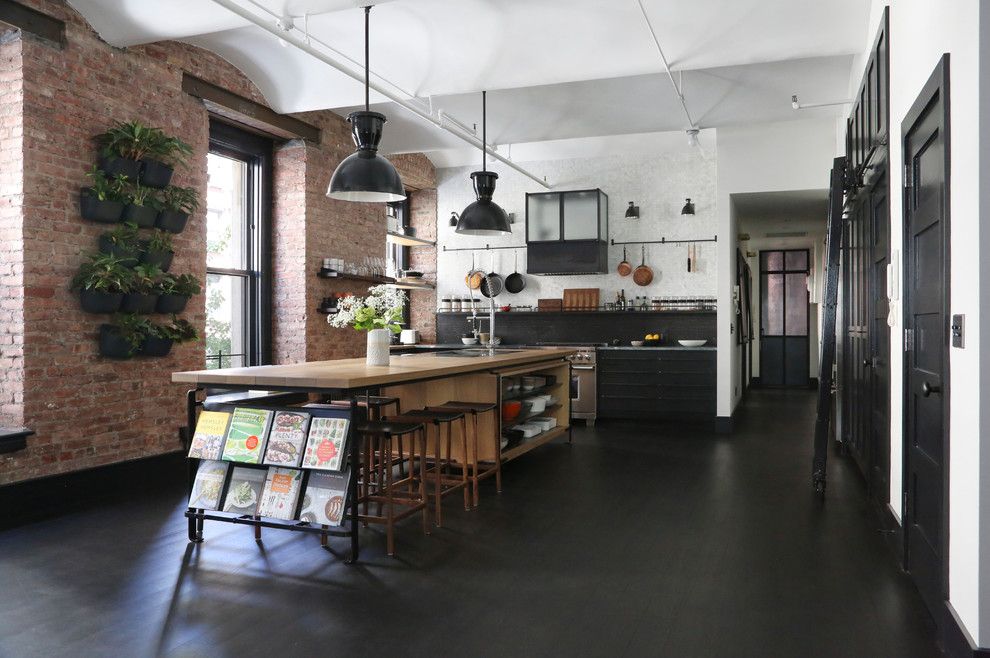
(255, 150)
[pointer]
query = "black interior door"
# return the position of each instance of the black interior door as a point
(925, 134)
(784, 317)
(877, 364)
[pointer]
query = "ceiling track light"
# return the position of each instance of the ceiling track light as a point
(364, 175)
(692, 137)
(484, 216)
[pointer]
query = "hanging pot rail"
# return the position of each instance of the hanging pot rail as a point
(487, 247)
(663, 241)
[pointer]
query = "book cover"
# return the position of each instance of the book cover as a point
(325, 445)
(244, 492)
(207, 441)
(287, 438)
(325, 499)
(281, 493)
(208, 484)
(246, 435)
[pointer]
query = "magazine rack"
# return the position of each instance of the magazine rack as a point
(349, 527)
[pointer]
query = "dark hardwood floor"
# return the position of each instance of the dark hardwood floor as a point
(637, 540)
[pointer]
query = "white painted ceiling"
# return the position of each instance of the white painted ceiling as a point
(792, 210)
(555, 69)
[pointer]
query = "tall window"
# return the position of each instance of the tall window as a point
(238, 248)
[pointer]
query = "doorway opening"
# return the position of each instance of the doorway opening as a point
(784, 317)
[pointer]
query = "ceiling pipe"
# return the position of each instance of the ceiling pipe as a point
(804, 106)
(291, 38)
(666, 66)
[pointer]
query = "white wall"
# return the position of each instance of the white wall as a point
(658, 184)
(772, 157)
(920, 32)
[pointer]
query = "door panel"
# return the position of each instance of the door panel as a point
(784, 297)
(879, 341)
(926, 215)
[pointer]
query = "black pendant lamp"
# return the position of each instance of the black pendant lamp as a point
(484, 216)
(365, 175)
(688, 208)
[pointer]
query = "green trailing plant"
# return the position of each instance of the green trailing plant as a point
(128, 139)
(180, 199)
(160, 241)
(124, 236)
(185, 285)
(169, 150)
(145, 279)
(139, 195)
(132, 328)
(105, 188)
(179, 330)
(104, 273)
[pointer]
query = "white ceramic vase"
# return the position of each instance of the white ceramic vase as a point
(378, 347)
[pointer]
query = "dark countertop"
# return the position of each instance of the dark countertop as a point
(659, 347)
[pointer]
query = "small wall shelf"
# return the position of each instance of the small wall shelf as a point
(333, 274)
(407, 285)
(407, 240)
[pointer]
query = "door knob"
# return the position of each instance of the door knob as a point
(866, 363)
(927, 389)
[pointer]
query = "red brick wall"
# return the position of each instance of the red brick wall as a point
(423, 303)
(87, 410)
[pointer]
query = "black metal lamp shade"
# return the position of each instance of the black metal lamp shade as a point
(688, 208)
(484, 216)
(364, 175)
(632, 211)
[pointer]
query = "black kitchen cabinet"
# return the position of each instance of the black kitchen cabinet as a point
(647, 383)
(567, 232)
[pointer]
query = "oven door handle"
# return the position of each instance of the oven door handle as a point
(582, 367)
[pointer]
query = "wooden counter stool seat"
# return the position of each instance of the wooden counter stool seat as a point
(444, 483)
(381, 438)
(476, 409)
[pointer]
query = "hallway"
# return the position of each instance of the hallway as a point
(679, 543)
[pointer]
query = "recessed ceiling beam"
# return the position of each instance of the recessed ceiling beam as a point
(32, 21)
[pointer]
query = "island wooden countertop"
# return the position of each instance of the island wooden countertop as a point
(355, 374)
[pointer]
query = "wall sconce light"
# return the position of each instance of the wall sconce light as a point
(453, 218)
(688, 208)
(512, 217)
(632, 212)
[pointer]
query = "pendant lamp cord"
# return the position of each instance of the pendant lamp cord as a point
(367, 82)
(484, 130)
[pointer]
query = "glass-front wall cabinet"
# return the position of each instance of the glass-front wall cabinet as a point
(571, 215)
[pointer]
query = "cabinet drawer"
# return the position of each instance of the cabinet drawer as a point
(659, 376)
(642, 408)
(656, 392)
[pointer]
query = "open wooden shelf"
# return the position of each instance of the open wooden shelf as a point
(407, 240)
(534, 442)
(406, 285)
(333, 274)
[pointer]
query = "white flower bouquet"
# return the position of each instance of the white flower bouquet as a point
(381, 309)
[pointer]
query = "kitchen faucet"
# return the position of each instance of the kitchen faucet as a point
(474, 319)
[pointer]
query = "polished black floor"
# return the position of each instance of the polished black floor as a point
(662, 540)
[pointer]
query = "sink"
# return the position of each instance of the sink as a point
(478, 351)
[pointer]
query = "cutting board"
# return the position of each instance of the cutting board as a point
(581, 299)
(549, 304)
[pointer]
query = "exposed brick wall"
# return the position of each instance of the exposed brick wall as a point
(423, 303)
(11, 234)
(87, 410)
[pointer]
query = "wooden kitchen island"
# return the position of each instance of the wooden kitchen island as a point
(418, 380)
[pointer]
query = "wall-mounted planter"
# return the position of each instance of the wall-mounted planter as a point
(154, 346)
(135, 302)
(162, 259)
(117, 166)
(143, 216)
(155, 173)
(171, 303)
(112, 344)
(96, 301)
(107, 246)
(172, 221)
(91, 208)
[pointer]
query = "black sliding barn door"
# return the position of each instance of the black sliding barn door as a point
(925, 134)
(784, 317)
(877, 366)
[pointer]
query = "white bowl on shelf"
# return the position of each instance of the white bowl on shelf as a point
(546, 424)
(528, 429)
(469, 341)
(535, 405)
(692, 343)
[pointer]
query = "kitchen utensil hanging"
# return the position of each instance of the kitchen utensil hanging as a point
(515, 282)
(690, 251)
(643, 276)
(491, 285)
(624, 268)
(474, 277)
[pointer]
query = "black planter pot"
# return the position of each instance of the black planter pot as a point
(154, 346)
(143, 216)
(172, 221)
(155, 173)
(162, 259)
(135, 302)
(112, 344)
(91, 208)
(171, 303)
(117, 166)
(96, 301)
(109, 247)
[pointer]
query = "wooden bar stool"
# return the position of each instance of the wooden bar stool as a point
(443, 482)
(476, 409)
(381, 438)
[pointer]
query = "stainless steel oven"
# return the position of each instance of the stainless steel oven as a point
(584, 380)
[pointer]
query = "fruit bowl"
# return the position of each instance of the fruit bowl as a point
(651, 342)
